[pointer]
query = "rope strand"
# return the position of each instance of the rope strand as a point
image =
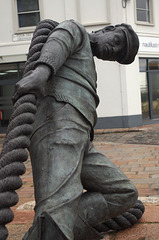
(14, 152)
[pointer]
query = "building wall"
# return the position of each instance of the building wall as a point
(118, 85)
(10, 51)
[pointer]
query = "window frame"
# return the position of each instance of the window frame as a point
(148, 72)
(18, 29)
(6, 104)
(151, 22)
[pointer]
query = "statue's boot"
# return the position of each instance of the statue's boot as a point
(83, 231)
(47, 229)
(44, 229)
(93, 210)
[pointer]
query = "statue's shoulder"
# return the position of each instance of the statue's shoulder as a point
(71, 24)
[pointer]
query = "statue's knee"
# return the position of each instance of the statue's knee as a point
(129, 197)
(134, 194)
(122, 199)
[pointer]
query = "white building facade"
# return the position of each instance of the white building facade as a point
(129, 94)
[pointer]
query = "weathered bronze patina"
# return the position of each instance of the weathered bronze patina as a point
(64, 160)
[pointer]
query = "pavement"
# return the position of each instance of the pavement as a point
(136, 152)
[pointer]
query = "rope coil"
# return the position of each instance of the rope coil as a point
(124, 220)
(14, 152)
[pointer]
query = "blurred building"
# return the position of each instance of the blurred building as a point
(129, 95)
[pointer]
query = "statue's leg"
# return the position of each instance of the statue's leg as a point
(57, 151)
(109, 191)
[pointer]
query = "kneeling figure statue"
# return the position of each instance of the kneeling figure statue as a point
(64, 160)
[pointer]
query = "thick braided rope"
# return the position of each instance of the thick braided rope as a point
(124, 220)
(12, 157)
(17, 140)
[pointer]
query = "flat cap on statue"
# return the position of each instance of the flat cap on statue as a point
(132, 44)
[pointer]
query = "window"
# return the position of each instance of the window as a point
(28, 14)
(149, 85)
(10, 73)
(144, 11)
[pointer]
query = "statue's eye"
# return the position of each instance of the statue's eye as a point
(117, 40)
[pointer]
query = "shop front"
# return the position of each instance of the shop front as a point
(149, 84)
(149, 77)
(10, 73)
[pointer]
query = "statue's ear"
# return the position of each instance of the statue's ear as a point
(94, 44)
(94, 47)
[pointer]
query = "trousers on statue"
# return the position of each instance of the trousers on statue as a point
(65, 163)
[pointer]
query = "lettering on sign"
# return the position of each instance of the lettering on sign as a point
(22, 37)
(149, 44)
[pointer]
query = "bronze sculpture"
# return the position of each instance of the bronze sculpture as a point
(63, 158)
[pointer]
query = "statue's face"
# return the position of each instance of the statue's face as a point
(110, 43)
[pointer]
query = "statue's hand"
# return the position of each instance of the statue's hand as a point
(33, 83)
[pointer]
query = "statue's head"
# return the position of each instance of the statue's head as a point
(115, 43)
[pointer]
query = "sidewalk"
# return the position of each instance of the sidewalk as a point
(136, 152)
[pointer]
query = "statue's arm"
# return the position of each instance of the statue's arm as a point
(62, 43)
(65, 39)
